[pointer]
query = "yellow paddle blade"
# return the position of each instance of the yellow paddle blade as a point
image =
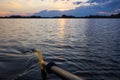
(41, 61)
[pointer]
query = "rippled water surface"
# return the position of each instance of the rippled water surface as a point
(89, 48)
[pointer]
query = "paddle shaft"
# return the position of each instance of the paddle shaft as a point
(52, 68)
(65, 75)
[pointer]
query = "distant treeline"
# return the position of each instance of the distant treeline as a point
(65, 16)
(99, 16)
(18, 16)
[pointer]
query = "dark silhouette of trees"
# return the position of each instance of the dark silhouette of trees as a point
(18, 16)
(99, 16)
(65, 16)
(116, 16)
(15, 16)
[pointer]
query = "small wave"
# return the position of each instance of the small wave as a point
(64, 46)
(55, 59)
(19, 66)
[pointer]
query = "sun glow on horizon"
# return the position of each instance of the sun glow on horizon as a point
(4, 13)
(32, 7)
(28, 7)
(63, 9)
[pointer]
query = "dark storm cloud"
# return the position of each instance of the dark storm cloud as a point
(106, 6)
(111, 6)
(102, 7)
(80, 11)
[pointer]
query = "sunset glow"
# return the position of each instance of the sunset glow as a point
(73, 7)
(62, 23)
(3, 13)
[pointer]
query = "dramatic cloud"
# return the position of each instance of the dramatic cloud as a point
(59, 7)
(89, 7)
(18, 7)
(80, 11)
(110, 7)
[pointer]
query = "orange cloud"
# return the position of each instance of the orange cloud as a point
(15, 5)
(4, 13)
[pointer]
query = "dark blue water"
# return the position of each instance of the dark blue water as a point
(89, 48)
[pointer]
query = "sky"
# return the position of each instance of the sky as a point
(50, 8)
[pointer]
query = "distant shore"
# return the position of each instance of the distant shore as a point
(63, 16)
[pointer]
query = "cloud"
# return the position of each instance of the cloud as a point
(91, 7)
(77, 3)
(59, 7)
(106, 7)
(117, 10)
(111, 6)
(15, 5)
(110, 13)
(18, 7)
(80, 11)
(98, 1)
(46, 13)
(4, 13)
(55, 0)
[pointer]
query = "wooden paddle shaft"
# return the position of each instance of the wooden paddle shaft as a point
(65, 75)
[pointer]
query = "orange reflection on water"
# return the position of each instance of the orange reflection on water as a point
(62, 23)
(62, 32)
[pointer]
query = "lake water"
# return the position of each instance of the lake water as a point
(89, 48)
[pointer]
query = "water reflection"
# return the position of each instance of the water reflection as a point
(62, 23)
(72, 33)
(83, 31)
